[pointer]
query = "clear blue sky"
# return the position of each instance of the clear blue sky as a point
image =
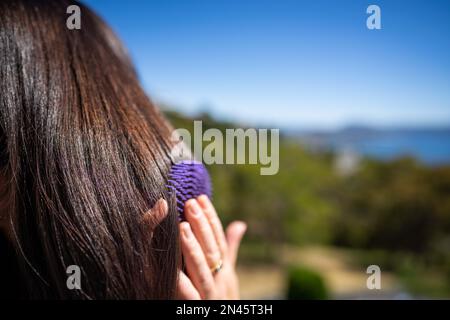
(296, 63)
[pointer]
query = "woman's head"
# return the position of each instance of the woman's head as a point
(84, 156)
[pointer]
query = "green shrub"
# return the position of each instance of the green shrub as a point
(305, 284)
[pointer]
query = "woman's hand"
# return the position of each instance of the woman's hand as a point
(209, 254)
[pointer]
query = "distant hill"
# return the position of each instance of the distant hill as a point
(430, 145)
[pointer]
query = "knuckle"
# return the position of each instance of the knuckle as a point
(215, 220)
(209, 213)
(205, 229)
(194, 253)
(213, 256)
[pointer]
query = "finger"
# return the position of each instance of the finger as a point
(235, 232)
(153, 217)
(196, 265)
(215, 223)
(203, 232)
(157, 213)
(186, 290)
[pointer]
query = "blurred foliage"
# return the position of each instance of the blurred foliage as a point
(398, 205)
(305, 284)
(395, 207)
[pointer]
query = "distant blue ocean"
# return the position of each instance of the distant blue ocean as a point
(431, 147)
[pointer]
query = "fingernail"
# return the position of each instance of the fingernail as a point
(194, 208)
(187, 230)
(203, 199)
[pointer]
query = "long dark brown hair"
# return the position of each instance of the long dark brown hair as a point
(84, 154)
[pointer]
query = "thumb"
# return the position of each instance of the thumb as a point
(235, 232)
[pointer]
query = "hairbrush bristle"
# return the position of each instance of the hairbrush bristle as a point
(188, 179)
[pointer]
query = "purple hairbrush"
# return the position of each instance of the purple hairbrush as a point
(188, 179)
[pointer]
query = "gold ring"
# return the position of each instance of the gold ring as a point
(217, 267)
